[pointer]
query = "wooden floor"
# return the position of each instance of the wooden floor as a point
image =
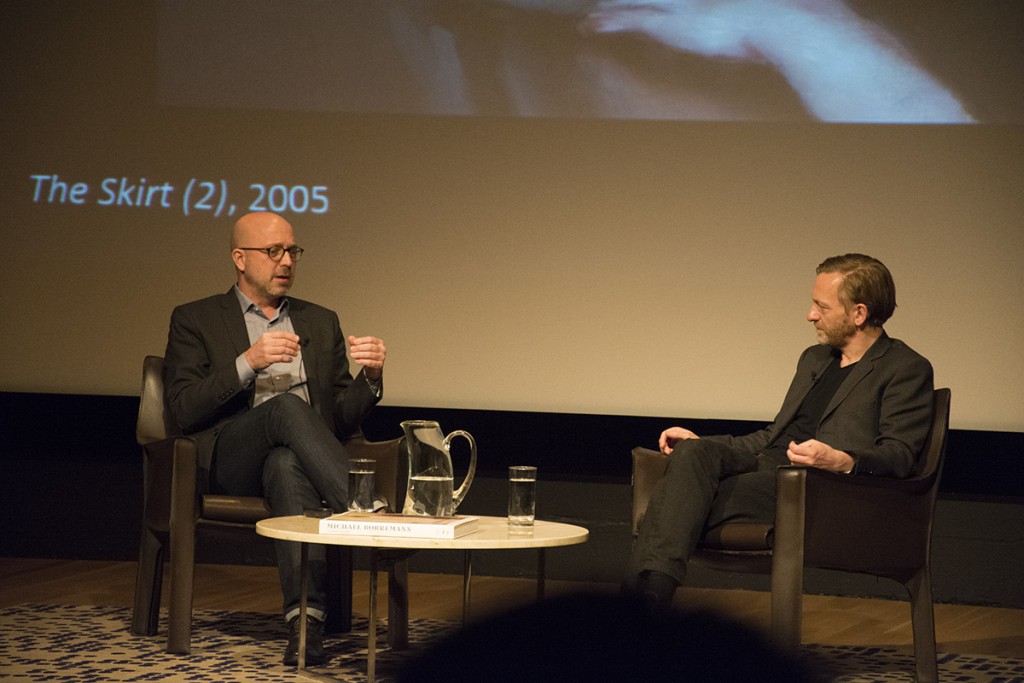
(961, 629)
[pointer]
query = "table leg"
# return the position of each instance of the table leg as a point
(303, 595)
(301, 669)
(303, 603)
(467, 578)
(541, 568)
(371, 647)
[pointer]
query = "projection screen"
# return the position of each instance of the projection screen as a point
(540, 205)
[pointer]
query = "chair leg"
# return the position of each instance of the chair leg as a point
(179, 611)
(183, 515)
(923, 618)
(148, 584)
(787, 606)
(788, 559)
(398, 605)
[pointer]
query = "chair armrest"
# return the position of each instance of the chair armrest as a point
(161, 460)
(184, 486)
(844, 516)
(234, 509)
(648, 467)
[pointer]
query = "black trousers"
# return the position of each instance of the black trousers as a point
(707, 484)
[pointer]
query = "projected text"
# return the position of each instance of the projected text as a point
(194, 196)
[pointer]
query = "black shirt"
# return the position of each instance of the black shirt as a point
(805, 424)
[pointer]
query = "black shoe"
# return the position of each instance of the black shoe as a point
(314, 642)
(657, 590)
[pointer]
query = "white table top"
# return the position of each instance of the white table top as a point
(492, 533)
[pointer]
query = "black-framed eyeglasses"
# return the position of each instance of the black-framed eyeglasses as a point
(276, 252)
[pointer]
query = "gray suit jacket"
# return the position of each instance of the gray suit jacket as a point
(880, 414)
(201, 382)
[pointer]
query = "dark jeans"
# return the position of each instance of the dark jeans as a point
(283, 451)
(707, 484)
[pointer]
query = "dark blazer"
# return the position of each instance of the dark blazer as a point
(201, 382)
(880, 414)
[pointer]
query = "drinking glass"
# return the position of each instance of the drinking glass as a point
(522, 495)
(361, 485)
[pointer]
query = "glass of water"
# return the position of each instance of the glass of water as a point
(361, 485)
(522, 495)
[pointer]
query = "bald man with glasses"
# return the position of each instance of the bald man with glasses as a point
(261, 380)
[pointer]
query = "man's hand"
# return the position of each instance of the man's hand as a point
(844, 67)
(670, 436)
(814, 453)
(272, 347)
(370, 353)
(713, 28)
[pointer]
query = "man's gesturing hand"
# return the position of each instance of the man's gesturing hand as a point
(272, 347)
(370, 353)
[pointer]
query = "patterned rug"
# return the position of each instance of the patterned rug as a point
(80, 644)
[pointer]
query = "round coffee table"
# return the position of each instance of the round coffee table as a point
(492, 533)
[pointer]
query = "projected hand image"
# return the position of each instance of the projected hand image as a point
(842, 67)
(869, 61)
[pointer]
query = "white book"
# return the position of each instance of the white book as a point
(397, 525)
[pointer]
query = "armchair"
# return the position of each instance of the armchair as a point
(176, 508)
(876, 526)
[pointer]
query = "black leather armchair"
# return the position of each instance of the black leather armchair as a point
(177, 507)
(870, 525)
